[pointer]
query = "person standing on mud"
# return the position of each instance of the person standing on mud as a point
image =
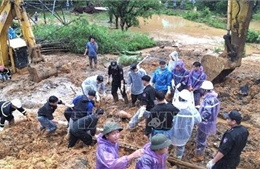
(183, 122)
(135, 82)
(91, 51)
(180, 77)
(118, 81)
(147, 102)
(6, 112)
(174, 57)
(231, 145)
(84, 128)
(162, 78)
(209, 110)
(196, 78)
(155, 153)
(45, 114)
(160, 118)
(108, 146)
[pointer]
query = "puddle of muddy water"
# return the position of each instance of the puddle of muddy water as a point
(173, 28)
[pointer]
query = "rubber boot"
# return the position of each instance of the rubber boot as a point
(115, 97)
(11, 123)
(95, 66)
(126, 99)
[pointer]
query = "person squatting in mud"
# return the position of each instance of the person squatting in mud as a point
(6, 112)
(45, 114)
(84, 129)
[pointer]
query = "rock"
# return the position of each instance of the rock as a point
(244, 90)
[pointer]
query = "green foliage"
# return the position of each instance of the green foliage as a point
(77, 34)
(219, 6)
(129, 59)
(128, 11)
(256, 16)
(253, 36)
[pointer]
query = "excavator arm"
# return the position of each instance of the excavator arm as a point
(239, 16)
(14, 10)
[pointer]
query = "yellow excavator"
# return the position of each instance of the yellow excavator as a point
(239, 15)
(21, 55)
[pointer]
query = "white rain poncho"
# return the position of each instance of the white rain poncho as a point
(91, 83)
(173, 58)
(184, 122)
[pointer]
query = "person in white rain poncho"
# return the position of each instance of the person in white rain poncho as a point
(184, 122)
(94, 83)
(174, 57)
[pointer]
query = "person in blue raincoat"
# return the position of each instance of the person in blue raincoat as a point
(162, 78)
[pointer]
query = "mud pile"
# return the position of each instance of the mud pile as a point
(23, 146)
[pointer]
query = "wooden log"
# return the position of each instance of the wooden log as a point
(184, 163)
(42, 71)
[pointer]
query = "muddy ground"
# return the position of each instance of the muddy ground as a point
(23, 146)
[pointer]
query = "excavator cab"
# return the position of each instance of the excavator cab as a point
(17, 53)
(239, 16)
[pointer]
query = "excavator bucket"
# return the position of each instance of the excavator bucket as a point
(41, 71)
(239, 16)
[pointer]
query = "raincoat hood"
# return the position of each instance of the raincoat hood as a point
(101, 140)
(150, 160)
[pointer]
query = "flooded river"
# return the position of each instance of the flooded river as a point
(173, 28)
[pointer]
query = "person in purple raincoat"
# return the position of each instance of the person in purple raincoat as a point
(196, 77)
(180, 76)
(155, 152)
(107, 156)
(209, 110)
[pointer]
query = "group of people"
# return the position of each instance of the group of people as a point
(167, 123)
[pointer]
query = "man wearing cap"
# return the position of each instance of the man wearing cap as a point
(162, 78)
(147, 102)
(154, 153)
(118, 81)
(6, 111)
(95, 83)
(91, 51)
(82, 106)
(84, 128)
(183, 122)
(161, 116)
(231, 145)
(107, 156)
(45, 114)
(209, 110)
(135, 81)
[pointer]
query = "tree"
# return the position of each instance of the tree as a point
(127, 11)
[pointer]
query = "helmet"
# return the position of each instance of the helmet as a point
(111, 126)
(92, 92)
(100, 78)
(160, 141)
(185, 95)
(17, 103)
(207, 85)
(113, 63)
(99, 111)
